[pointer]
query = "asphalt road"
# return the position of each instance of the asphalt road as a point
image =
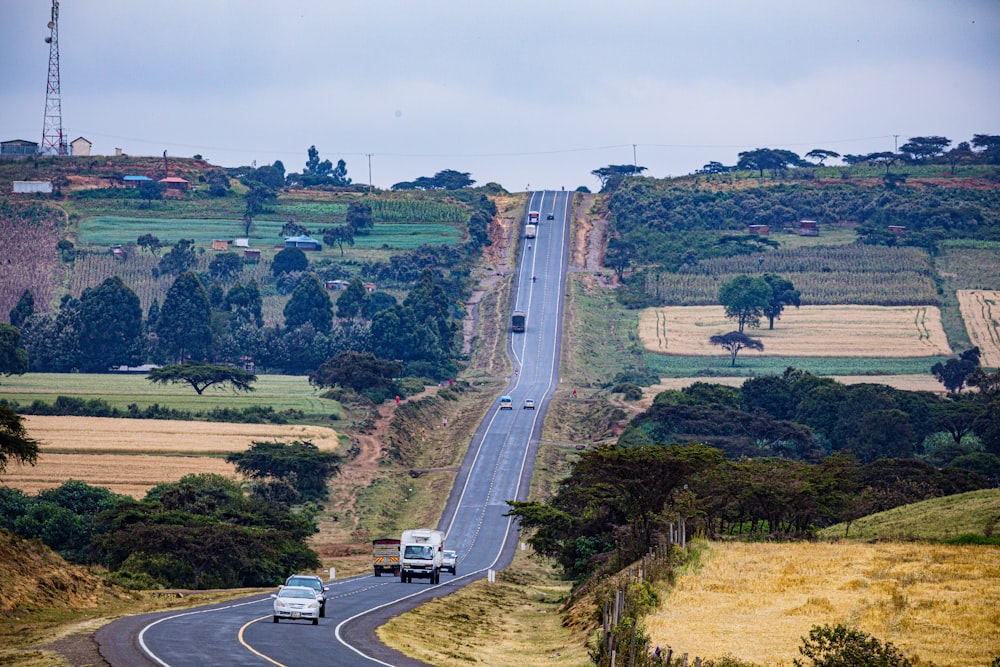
(497, 468)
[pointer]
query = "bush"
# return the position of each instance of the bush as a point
(630, 391)
(841, 646)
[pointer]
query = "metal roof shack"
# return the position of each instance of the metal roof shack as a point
(176, 183)
(134, 181)
(303, 243)
(18, 148)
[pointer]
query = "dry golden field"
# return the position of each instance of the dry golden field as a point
(130, 456)
(756, 601)
(981, 313)
(809, 331)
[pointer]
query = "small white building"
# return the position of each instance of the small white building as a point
(80, 147)
(29, 187)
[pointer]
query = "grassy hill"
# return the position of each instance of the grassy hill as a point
(976, 512)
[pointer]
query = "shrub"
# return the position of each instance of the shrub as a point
(841, 646)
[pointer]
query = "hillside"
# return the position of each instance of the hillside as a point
(975, 512)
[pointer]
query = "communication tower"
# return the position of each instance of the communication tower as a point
(53, 141)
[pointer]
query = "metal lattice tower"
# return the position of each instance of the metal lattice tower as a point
(53, 141)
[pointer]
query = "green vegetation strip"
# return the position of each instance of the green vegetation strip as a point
(749, 365)
(280, 392)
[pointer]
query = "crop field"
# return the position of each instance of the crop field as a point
(29, 258)
(281, 392)
(131, 455)
(853, 274)
(126, 474)
(938, 602)
(981, 312)
(809, 331)
(105, 435)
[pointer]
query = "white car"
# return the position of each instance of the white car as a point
(296, 602)
(449, 561)
(529, 404)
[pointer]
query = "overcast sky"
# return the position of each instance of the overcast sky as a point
(519, 93)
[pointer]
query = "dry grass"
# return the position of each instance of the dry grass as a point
(510, 623)
(756, 601)
(981, 313)
(131, 475)
(810, 331)
(155, 436)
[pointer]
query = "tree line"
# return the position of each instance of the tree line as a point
(204, 531)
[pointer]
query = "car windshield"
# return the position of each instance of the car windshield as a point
(450, 554)
(310, 583)
(297, 593)
(418, 552)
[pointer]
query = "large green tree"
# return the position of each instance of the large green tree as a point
(359, 371)
(745, 299)
(288, 260)
(359, 218)
(783, 293)
(180, 258)
(203, 376)
(13, 359)
(183, 328)
(351, 302)
(310, 302)
(15, 443)
(246, 303)
(24, 309)
(111, 331)
(225, 266)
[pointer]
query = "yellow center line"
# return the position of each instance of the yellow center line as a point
(252, 649)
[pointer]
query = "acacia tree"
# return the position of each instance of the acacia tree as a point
(734, 341)
(300, 463)
(820, 155)
(745, 299)
(359, 371)
(203, 376)
(338, 236)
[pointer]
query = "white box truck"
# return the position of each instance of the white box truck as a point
(530, 231)
(420, 553)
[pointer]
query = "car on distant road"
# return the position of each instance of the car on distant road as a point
(449, 561)
(313, 582)
(296, 603)
(506, 403)
(529, 404)
(550, 216)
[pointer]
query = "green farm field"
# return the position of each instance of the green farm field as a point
(105, 230)
(281, 392)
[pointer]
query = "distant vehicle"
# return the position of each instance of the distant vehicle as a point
(532, 216)
(420, 554)
(529, 404)
(506, 403)
(517, 321)
(550, 216)
(530, 231)
(312, 582)
(449, 561)
(385, 556)
(296, 602)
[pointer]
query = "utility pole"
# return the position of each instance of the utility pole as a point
(53, 141)
(895, 143)
(635, 162)
(369, 172)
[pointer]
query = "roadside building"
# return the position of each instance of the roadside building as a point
(132, 181)
(32, 187)
(303, 243)
(176, 184)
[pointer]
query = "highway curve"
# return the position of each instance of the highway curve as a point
(497, 468)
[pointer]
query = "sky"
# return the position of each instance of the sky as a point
(527, 94)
